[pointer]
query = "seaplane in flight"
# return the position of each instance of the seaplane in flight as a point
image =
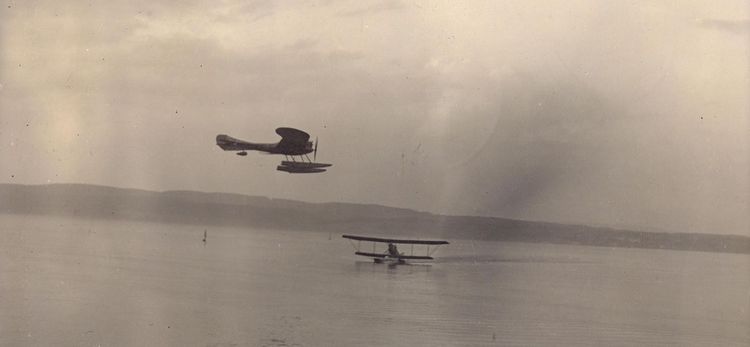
(293, 143)
(392, 254)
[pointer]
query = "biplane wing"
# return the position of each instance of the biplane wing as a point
(292, 139)
(378, 239)
(383, 255)
(392, 252)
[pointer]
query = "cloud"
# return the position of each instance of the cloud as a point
(592, 115)
(529, 141)
(377, 8)
(738, 27)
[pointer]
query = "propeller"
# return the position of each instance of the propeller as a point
(315, 151)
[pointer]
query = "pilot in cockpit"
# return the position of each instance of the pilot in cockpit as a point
(392, 250)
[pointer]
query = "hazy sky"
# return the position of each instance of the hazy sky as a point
(620, 113)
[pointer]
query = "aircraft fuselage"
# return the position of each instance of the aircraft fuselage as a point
(228, 143)
(274, 148)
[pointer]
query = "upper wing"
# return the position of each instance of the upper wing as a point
(292, 138)
(229, 143)
(377, 239)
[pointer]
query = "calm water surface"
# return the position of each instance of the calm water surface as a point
(73, 282)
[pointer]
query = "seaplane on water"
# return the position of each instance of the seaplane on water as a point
(293, 143)
(392, 254)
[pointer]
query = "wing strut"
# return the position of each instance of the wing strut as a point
(429, 253)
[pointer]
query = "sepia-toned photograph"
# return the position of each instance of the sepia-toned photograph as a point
(374, 173)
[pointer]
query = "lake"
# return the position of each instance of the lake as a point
(77, 282)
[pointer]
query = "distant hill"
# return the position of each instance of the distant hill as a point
(220, 209)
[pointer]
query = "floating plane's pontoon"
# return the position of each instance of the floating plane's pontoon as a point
(392, 254)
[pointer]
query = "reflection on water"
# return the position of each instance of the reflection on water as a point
(475, 259)
(370, 266)
(76, 282)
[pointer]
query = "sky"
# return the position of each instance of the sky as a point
(628, 114)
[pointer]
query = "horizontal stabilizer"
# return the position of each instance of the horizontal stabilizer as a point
(229, 143)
